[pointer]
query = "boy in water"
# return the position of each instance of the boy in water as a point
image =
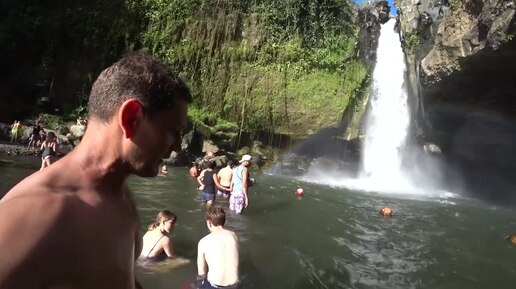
(217, 253)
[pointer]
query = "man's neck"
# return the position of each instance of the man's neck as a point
(215, 229)
(97, 159)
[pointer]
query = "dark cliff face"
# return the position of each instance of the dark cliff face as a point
(369, 33)
(462, 60)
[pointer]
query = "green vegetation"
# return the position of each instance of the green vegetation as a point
(279, 65)
(412, 40)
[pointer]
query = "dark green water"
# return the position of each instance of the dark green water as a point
(333, 237)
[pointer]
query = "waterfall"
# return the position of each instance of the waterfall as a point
(388, 116)
(385, 145)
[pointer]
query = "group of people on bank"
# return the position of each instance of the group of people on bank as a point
(38, 138)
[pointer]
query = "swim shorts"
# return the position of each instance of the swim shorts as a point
(223, 193)
(207, 197)
(207, 285)
(236, 203)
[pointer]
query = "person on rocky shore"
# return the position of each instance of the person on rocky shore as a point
(75, 224)
(34, 135)
(14, 131)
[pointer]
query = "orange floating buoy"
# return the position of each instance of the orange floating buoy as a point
(300, 192)
(387, 212)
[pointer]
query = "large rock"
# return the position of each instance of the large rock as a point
(461, 58)
(474, 27)
(77, 131)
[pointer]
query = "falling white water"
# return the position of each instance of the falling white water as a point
(387, 127)
(388, 118)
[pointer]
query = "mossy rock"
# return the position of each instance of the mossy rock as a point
(224, 135)
(203, 129)
(243, 151)
(226, 127)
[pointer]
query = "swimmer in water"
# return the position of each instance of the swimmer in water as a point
(194, 170)
(164, 170)
(386, 212)
(157, 245)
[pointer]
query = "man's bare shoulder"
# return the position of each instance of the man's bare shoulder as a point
(45, 193)
(32, 186)
(31, 197)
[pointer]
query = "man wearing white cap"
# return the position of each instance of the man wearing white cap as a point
(239, 184)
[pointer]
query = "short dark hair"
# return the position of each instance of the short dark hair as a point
(216, 216)
(230, 163)
(140, 76)
(212, 164)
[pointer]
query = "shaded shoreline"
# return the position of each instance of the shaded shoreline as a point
(8, 149)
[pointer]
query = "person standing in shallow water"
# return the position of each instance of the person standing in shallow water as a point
(217, 254)
(239, 185)
(86, 232)
(49, 148)
(157, 245)
(225, 175)
(209, 183)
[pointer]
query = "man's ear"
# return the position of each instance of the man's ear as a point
(128, 114)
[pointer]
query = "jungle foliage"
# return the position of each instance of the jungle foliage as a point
(280, 65)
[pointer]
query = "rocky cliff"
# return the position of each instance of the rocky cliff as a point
(462, 66)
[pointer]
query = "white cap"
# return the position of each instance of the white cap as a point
(245, 158)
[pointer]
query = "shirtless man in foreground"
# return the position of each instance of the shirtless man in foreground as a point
(74, 224)
(217, 254)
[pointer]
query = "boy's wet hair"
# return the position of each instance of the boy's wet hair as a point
(136, 76)
(216, 216)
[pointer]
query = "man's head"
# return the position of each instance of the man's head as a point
(215, 216)
(231, 163)
(246, 160)
(146, 104)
